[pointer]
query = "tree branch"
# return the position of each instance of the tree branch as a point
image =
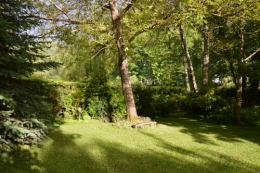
(70, 21)
(148, 28)
(249, 57)
(129, 5)
(98, 52)
(142, 31)
(60, 9)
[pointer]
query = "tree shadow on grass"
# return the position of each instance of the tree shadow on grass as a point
(65, 154)
(99, 155)
(20, 161)
(212, 161)
(199, 130)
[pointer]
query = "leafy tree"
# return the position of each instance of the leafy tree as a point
(83, 16)
(236, 39)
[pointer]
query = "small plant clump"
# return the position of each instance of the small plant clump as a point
(130, 124)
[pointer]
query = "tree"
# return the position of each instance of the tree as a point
(236, 38)
(187, 57)
(65, 11)
(122, 57)
(21, 51)
(206, 32)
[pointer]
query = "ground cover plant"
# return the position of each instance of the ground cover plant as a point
(176, 144)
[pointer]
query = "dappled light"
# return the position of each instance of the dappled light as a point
(126, 86)
(98, 147)
(203, 132)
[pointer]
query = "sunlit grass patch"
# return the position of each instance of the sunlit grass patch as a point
(176, 144)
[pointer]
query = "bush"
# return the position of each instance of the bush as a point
(70, 96)
(154, 101)
(97, 108)
(117, 104)
(199, 105)
(104, 100)
(207, 105)
(250, 116)
(223, 112)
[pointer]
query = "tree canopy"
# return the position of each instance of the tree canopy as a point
(197, 45)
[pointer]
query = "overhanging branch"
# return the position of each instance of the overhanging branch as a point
(70, 21)
(60, 9)
(249, 57)
(148, 28)
(129, 5)
(98, 52)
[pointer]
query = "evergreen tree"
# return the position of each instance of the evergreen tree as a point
(20, 48)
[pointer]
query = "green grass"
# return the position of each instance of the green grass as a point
(176, 145)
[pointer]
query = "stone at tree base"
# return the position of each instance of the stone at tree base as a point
(142, 125)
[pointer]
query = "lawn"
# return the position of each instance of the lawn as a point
(176, 144)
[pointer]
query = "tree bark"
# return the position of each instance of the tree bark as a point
(186, 74)
(234, 78)
(122, 62)
(187, 55)
(239, 87)
(206, 55)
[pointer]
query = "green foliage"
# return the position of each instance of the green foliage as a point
(13, 131)
(29, 97)
(97, 108)
(107, 105)
(208, 105)
(117, 103)
(200, 104)
(68, 96)
(218, 106)
(223, 112)
(21, 53)
(250, 116)
(155, 101)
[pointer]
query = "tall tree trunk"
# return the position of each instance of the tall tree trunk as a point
(206, 55)
(186, 74)
(231, 67)
(187, 55)
(239, 87)
(122, 62)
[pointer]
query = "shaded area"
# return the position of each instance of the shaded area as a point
(211, 161)
(200, 130)
(98, 154)
(20, 161)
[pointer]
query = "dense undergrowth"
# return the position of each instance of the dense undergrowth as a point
(218, 106)
(29, 107)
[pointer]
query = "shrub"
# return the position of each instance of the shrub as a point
(154, 101)
(200, 104)
(97, 108)
(223, 112)
(117, 104)
(250, 116)
(207, 105)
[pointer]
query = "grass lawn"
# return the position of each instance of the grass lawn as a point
(176, 144)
